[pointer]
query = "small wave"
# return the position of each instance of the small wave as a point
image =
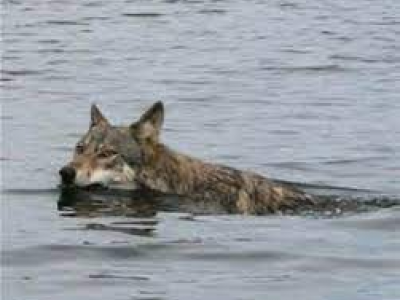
(296, 51)
(5, 79)
(25, 72)
(5, 117)
(290, 5)
(293, 165)
(316, 68)
(212, 11)
(185, 1)
(115, 276)
(143, 15)
(369, 60)
(185, 81)
(56, 62)
(50, 51)
(93, 3)
(240, 255)
(2, 158)
(49, 41)
(48, 254)
(95, 18)
(352, 161)
(65, 22)
(336, 262)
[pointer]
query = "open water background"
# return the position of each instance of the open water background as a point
(305, 91)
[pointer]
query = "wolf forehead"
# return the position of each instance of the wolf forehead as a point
(115, 137)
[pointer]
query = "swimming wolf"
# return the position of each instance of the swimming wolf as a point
(135, 155)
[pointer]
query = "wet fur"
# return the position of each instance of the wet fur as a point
(167, 171)
(154, 166)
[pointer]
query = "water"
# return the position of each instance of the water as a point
(300, 91)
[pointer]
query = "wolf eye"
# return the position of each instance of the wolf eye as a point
(107, 153)
(79, 148)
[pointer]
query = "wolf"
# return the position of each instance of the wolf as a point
(134, 155)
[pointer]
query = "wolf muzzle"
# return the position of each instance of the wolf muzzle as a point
(67, 174)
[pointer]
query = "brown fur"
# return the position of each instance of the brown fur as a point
(167, 171)
(138, 158)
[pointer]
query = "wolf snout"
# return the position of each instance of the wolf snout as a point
(67, 174)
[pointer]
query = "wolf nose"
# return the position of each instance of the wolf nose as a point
(67, 174)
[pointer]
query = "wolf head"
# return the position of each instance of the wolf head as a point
(105, 155)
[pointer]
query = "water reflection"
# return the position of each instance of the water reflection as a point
(101, 202)
(75, 202)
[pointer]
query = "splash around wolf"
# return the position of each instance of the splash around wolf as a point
(134, 156)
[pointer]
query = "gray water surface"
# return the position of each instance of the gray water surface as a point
(304, 91)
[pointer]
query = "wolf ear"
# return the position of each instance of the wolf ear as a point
(149, 125)
(96, 117)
